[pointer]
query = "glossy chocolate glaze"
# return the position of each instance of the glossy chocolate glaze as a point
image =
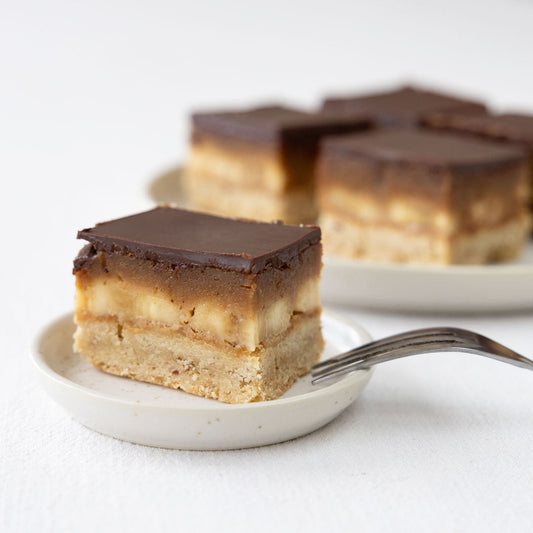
(432, 149)
(406, 106)
(272, 124)
(179, 237)
(513, 127)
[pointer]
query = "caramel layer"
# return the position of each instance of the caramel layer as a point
(209, 319)
(240, 309)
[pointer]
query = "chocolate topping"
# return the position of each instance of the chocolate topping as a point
(275, 124)
(512, 127)
(178, 237)
(424, 147)
(406, 106)
(86, 254)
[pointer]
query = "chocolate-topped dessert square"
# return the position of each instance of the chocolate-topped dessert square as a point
(404, 107)
(513, 128)
(421, 196)
(221, 308)
(259, 163)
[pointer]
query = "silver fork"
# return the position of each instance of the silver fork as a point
(418, 341)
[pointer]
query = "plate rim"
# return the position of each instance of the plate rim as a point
(46, 371)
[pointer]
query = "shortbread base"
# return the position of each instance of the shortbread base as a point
(162, 356)
(351, 239)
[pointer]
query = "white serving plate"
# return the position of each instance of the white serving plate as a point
(156, 416)
(430, 288)
(399, 287)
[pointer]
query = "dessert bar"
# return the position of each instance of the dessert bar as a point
(259, 163)
(404, 107)
(421, 196)
(221, 308)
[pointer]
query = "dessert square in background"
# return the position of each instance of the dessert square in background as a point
(259, 163)
(424, 197)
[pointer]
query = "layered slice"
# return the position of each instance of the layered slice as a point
(403, 107)
(422, 197)
(259, 163)
(220, 308)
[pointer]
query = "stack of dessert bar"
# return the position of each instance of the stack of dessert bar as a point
(409, 175)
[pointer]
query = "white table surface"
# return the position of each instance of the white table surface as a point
(93, 104)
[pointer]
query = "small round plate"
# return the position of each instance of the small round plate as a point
(156, 416)
(431, 288)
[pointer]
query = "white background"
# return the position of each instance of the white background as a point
(94, 98)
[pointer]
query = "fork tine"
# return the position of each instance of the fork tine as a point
(415, 342)
(358, 359)
(375, 353)
(495, 350)
(387, 343)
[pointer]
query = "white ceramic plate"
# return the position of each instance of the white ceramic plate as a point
(452, 288)
(398, 287)
(156, 416)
